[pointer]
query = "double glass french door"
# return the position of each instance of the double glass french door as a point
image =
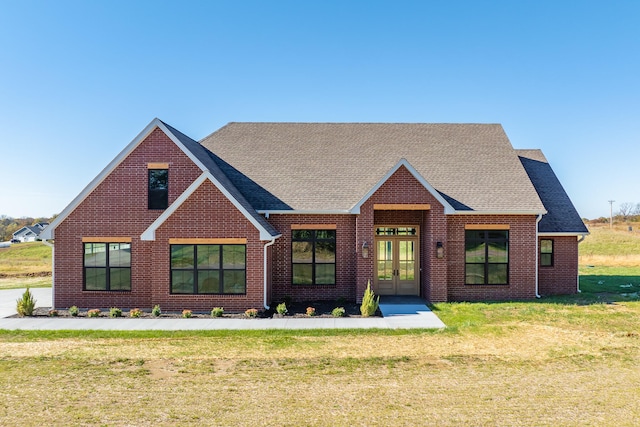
(397, 270)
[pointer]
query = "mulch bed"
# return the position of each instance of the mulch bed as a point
(296, 309)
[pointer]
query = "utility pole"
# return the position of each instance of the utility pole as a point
(611, 213)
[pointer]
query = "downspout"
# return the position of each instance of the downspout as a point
(53, 272)
(264, 272)
(578, 277)
(537, 255)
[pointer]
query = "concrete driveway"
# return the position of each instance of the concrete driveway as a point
(8, 298)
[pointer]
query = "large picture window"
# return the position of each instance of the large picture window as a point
(208, 269)
(107, 266)
(546, 253)
(158, 188)
(313, 255)
(486, 257)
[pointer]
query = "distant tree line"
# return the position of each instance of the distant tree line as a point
(9, 225)
(627, 212)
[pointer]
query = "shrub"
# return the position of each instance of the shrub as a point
(93, 313)
(281, 308)
(74, 311)
(311, 311)
(135, 312)
(53, 313)
(338, 312)
(156, 310)
(186, 314)
(26, 304)
(369, 302)
(115, 312)
(217, 312)
(252, 312)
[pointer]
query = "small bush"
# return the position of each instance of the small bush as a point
(74, 311)
(251, 313)
(53, 313)
(369, 302)
(338, 312)
(217, 312)
(115, 312)
(156, 310)
(311, 311)
(187, 314)
(26, 304)
(135, 312)
(94, 312)
(281, 309)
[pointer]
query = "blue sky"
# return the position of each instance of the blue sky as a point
(80, 79)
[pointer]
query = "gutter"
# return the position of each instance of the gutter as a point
(578, 277)
(537, 255)
(264, 272)
(53, 273)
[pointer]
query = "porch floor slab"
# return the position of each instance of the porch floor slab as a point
(408, 312)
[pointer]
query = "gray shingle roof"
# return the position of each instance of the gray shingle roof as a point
(562, 216)
(331, 166)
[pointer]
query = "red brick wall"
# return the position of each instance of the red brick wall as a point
(522, 256)
(345, 259)
(403, 187)
(562, 277)
(118, 207)
(207, 214)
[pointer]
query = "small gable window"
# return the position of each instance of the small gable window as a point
(546, 253)
(107, 266)
(158, 188)
(486, 257)
(313, 254)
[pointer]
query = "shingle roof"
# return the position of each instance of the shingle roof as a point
(331, 166)
(562, 216)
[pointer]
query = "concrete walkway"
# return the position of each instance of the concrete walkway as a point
(397, 314)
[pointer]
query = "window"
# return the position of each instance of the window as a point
(158, 188)
(486, 257)
(107, 266)
(208, 269)
(313, 255)
(546, 253)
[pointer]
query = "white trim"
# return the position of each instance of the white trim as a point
(448, 209)
(499, 213)
(576, 234)
(537, 257)
(48, 232)
(302, 212)
(264, 273)
(150, 232)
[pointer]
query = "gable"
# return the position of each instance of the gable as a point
(400, 190)
(187, 148)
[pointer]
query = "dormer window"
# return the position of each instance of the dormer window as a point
(158, 188)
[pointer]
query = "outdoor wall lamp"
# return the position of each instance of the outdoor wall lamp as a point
(439, 250)
(365, 250)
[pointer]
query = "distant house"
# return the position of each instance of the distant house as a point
(256, 212)
(29, 233)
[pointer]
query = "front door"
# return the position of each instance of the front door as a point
(396, 267)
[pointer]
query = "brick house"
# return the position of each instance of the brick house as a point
(256, 212)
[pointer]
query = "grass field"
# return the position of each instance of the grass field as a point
(25, 264)
(562, 361)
